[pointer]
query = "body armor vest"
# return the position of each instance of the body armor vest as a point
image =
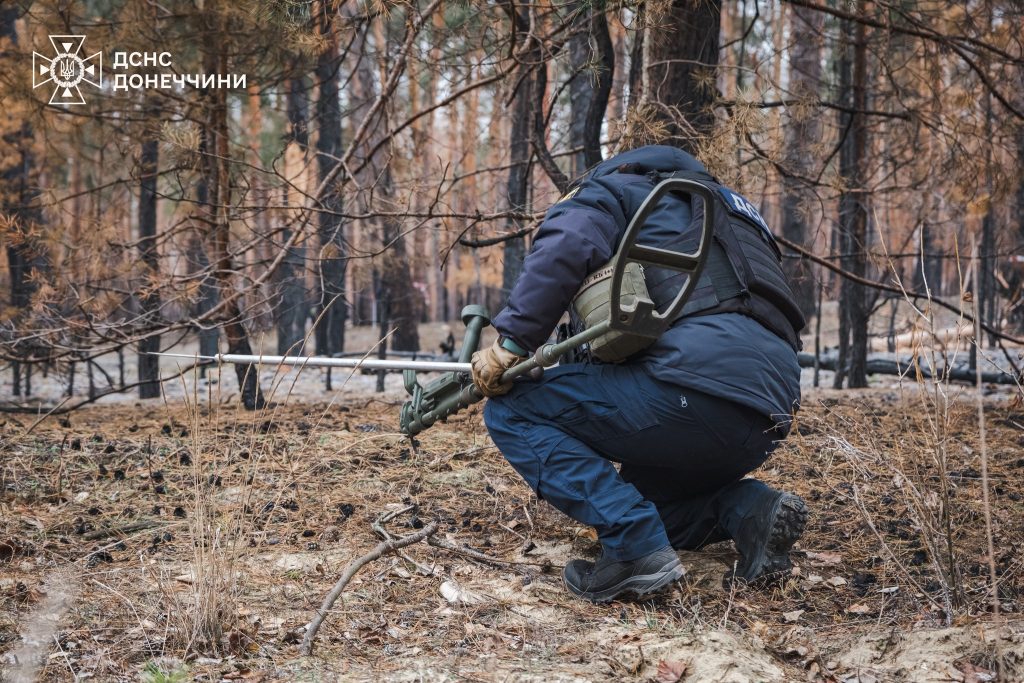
(743, 274)
(744, 268)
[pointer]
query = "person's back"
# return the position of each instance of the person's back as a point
(687, 418)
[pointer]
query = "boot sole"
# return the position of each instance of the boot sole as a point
(789, 519)
(639, 585)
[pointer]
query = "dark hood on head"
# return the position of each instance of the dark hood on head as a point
(659, 158)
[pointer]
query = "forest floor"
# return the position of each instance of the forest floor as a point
(169, 542)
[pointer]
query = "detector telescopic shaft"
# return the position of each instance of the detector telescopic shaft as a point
(326, 362)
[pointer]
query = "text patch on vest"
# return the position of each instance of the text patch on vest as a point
(740, 206)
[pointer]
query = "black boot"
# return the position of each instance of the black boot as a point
(766, 536)
(605, 579)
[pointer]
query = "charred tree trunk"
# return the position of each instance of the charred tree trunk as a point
(604, 54)
(928, 274)
(802, 134)
(396, 296)
(291, 300)
(149, 299)
(199, 262)
(333, 250)
(19, 193)
(538, 136)
(592, 59)
(854, 311)
(636, 62)
(526, 98)
(682, 67)
(399, 300)
(383, 321)
(986, 266)
(219, 173)
(209, 333)
(1015, 312)
(986, 274)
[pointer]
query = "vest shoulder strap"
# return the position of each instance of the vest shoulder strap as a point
(736, 204)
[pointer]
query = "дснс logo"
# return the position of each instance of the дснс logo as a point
(67, 69)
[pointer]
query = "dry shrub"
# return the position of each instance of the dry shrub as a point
(933, 461)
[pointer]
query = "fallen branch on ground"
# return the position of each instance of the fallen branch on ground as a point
(477, 555)
(382, 549)
(882, 366)
(123, 530)
(380, 530)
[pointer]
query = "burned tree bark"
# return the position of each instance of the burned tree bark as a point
(149, 299)
(986, 275)
(198, 259)
(803, 132)
(854, 310)
(680, 73)
(592, 59)
(199, 266)
(523, 103)
(333, 250)
(928, 274)
(217, 169)
(396, 296)
(636, 62)
(19, 193)
(1015, 312)
(290, 298)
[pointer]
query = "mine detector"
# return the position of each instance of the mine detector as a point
(615, 311)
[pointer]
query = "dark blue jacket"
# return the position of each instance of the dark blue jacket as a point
(581, 232)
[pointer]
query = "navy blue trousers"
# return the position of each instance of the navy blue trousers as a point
(683, 455)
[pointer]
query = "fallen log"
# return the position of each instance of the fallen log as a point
(886, 366)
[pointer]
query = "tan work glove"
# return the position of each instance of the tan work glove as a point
(488, 367)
